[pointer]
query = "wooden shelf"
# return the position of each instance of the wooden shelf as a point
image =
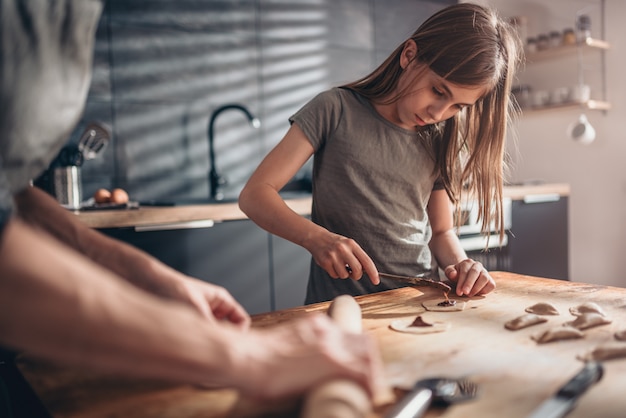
(563, 50)
(590, 105)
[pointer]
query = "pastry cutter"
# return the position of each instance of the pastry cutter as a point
(438, 390)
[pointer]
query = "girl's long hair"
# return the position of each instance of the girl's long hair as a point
(468, 45)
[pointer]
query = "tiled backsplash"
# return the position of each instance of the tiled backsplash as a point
(161, 67)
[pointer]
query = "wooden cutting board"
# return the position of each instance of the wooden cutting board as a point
(514, 373)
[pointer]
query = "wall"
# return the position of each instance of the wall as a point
(596, 172)
(162, 67)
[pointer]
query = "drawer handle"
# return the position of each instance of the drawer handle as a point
(542, 198)
(208, 223)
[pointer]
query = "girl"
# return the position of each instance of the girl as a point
(394, 153)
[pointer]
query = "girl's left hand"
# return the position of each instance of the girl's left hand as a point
(471, 278)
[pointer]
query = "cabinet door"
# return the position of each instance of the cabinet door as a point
(538, 241)
(231, 254)
(290, 267)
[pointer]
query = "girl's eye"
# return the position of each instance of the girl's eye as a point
(438, 92)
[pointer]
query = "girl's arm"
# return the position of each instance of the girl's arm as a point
(470, 276)
(261, 202)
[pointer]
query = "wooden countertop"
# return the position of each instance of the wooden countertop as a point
(514, 373)
(186, 215)
(170, 216)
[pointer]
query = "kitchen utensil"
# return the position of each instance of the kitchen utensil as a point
(94, 140)
(69, 155)
(67, 186)
(417, 281)
(567, 396)
(438, 390)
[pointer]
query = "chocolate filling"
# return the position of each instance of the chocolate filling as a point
(419, 322)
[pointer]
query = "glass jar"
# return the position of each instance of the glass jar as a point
(543, 42)
(569, 37)
(583, 24)
(555, 39)
(531, 45)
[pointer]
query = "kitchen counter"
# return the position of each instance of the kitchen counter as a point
(150, 216)
(514, 373)
(187, 214)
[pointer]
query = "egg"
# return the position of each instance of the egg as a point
(102, 196)
(119, 196)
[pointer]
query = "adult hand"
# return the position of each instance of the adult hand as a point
(471, 278)
(341, 257)
(300, 354)
(212, 301)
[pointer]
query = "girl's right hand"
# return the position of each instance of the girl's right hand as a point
(341, 257)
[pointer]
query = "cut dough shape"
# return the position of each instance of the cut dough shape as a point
(605, 352)
(620, 335)
(588, 320)
(433, 305)
(559, 333)
(585, 308)
(542, 308)
(524, 321)
(418, 326)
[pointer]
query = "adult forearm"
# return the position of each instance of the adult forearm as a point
(57, 305)
(39, 210)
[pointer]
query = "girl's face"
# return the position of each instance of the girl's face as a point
(427, 98)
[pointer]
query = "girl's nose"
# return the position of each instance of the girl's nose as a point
(437, 111)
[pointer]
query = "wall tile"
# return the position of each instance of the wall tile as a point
(161, 67)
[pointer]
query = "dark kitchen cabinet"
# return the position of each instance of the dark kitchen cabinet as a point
(538, 239)
(232, 254)
(290, 272)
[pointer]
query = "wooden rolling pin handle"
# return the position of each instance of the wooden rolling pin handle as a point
(340, 398)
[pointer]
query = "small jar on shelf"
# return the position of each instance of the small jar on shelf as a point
(543, 42)
(583, 24)
(531, 45)
(555, 39)
(569, 36)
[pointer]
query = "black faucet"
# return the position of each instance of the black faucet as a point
(216, 180)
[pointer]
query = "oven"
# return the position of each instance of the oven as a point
(487, 249)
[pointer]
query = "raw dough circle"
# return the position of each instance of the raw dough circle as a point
(433, 305)
(404, 325)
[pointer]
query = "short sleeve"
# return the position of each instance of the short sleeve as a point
(438, 184)
(319, 117)
(6, 200)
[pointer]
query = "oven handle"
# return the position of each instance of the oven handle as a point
(207, 223)
(542, 198)
(479, 242)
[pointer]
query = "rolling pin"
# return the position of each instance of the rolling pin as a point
(340, 398)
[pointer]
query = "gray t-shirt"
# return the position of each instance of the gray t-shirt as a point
(46, 51)
(371, 182)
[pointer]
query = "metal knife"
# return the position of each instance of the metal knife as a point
(564, 400)
(417, 281)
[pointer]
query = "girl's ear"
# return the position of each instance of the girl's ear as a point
(409, 52)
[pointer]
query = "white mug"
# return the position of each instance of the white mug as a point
(559, 95)
(582, 131)
(580, 93)
(541, 98)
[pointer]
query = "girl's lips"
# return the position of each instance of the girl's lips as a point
(420, 121)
